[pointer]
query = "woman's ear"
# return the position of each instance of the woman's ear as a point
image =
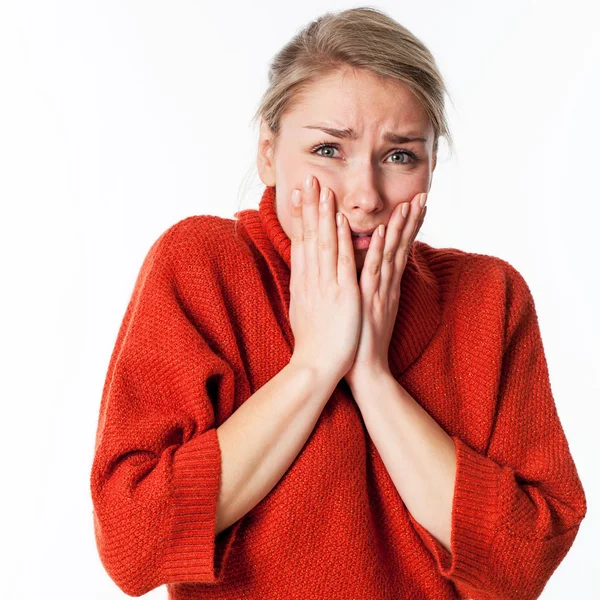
(265, 160)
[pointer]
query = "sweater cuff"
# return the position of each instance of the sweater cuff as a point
(193, 552)
(474, 518)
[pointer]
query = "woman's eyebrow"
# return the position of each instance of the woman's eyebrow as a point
(350, 134)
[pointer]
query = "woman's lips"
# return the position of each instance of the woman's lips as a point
(361, 243)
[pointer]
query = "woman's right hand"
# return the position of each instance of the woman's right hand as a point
(325, 310)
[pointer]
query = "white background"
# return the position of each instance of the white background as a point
(119, 118)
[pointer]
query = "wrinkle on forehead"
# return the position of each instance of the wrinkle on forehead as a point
(358, 103)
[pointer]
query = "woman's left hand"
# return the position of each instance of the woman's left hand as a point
(380, 289)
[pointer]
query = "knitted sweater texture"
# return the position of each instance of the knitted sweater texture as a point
(207, 325)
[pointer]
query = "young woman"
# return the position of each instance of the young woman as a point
(304, 406)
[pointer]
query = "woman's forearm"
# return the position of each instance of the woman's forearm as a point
(261, 439)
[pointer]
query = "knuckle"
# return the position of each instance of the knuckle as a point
(325, 244)
(297, 237)
(388, 256)
(343, 258)
(374, 268)
(310, 233)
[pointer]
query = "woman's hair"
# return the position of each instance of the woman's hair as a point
(360, 38)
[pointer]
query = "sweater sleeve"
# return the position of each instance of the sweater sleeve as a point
(517, 506)
(156, 470)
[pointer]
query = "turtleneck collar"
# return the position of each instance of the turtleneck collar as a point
(419, 310)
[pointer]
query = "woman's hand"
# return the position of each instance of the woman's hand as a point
(380, 288)
(325, 308)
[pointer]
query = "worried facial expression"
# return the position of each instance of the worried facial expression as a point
(369, 141)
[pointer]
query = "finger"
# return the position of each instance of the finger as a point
(403, 248)
(392, 239)
(371, 272)
(310, 223)
(297, 238)
(346, 263)
(409, 226)
(417, 227)
(328, 242)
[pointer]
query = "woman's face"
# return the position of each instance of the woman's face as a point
(369, 175)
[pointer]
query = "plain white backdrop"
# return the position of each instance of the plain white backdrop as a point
(119, 118)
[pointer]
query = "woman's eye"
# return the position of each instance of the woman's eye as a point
(324, 148)
(405, 154)
(330, 148)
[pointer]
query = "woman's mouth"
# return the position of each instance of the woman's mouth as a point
(360, 242)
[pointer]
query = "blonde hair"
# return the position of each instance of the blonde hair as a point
(359, 38)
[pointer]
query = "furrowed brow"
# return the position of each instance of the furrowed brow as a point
(350, 134)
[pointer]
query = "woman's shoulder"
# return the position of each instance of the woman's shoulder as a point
(203, 241)
(475, 284)
(471, 267)
(494, 274)
(199, 230)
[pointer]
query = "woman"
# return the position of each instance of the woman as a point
(292, 411)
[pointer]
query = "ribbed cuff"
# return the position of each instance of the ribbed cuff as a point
(191, 553)
(475, 518)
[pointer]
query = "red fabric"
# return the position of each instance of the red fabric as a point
(207, 325)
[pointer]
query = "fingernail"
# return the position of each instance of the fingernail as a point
(405, 209)
(324, 193)
(308, 182)
(423, 199)
(296, 197)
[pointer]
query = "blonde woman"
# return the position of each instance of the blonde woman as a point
(307, 402)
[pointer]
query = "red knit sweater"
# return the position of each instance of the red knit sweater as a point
(207, 325)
